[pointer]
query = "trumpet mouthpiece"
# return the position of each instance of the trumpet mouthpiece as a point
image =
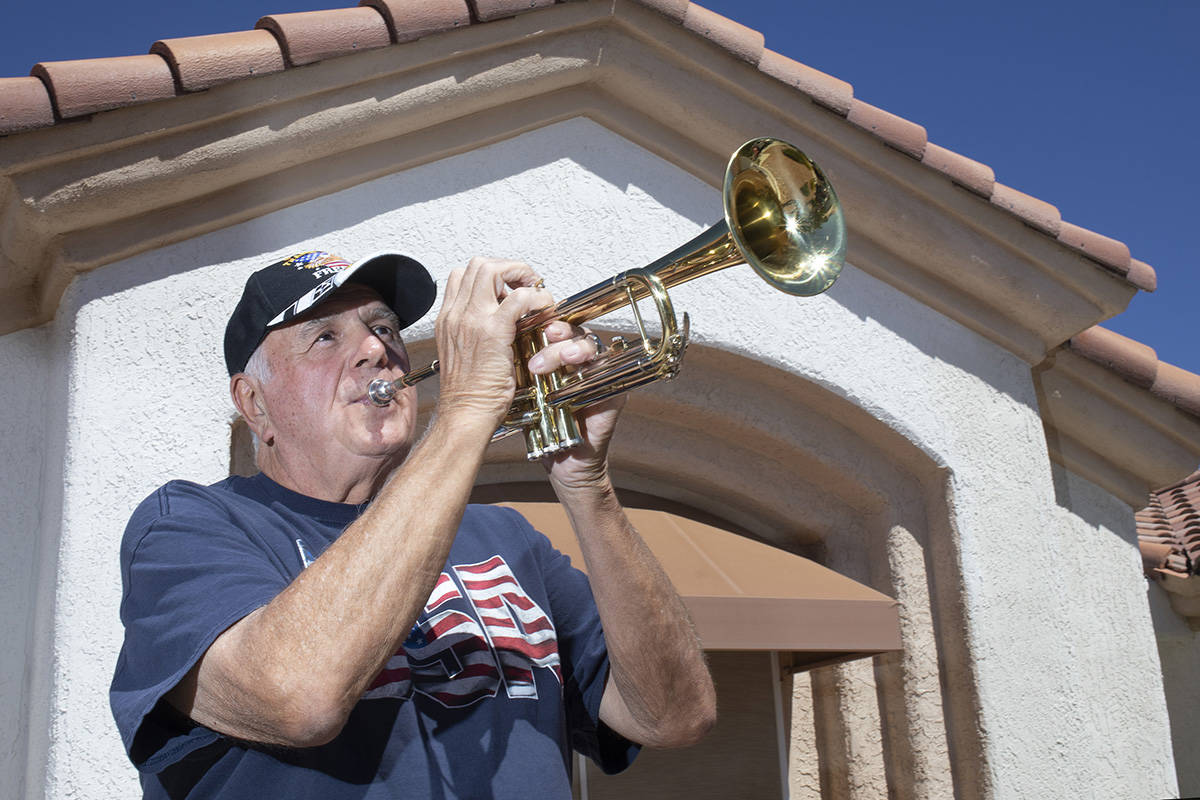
(381, 391)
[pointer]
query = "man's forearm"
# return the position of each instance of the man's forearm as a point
(291, 672)
(663, 692)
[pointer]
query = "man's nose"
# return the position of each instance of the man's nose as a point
(372, 352)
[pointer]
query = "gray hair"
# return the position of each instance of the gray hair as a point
(258, 368)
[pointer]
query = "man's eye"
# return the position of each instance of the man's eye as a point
(324, 336)
(384, 331)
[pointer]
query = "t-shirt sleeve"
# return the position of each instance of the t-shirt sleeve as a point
(585, 657)
(191, 568)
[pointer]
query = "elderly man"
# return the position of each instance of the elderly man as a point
(343, 624)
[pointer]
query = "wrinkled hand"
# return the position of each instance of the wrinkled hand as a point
(586, 465)
(475, 331)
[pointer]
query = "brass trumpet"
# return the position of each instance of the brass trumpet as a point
(782, 218)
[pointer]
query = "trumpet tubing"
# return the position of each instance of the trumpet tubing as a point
(782, 217)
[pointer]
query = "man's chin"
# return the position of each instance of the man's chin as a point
(388, 447)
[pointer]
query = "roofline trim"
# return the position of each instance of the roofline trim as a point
(307, 37)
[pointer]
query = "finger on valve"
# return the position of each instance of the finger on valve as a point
(566, 353)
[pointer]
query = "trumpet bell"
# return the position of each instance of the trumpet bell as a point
(784, 217)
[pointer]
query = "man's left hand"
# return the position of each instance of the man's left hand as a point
(586, 465)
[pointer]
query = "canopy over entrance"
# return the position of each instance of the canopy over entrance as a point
(745, 595)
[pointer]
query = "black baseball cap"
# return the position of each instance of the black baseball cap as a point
(284, 290)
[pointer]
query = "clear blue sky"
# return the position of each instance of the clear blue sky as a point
(1092, 106)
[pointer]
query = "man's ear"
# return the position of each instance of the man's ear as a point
(248, 399)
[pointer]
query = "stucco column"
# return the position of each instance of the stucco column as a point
(844, 696)
(910, 689)
(804, 764)
(848, 732)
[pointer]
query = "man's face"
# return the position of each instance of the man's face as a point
(320, 366)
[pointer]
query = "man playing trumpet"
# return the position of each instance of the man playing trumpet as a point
(343, 624)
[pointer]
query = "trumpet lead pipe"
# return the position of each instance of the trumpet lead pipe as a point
(381, 391)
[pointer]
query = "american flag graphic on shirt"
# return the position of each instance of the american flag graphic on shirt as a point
(457, 657)
(520, 632)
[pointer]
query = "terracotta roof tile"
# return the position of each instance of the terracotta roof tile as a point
(1036, 213)
(1155, 554)
(99, 84)
(745, 43)
(1132, 360)
(1142, 275)
(834, 94)
(24, 105)
(1109, 252)
(675, 9)
(310, 36)
(979, 178)
(907, 137)
(1169, 529)
(1139, 364)
(1178, 386)
(200, 62)
(411, 19)
(488, 10)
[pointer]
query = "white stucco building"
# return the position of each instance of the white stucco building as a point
(945, 425)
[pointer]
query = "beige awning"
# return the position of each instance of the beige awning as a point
(745, 595)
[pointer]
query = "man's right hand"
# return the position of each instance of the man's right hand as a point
(475, 331)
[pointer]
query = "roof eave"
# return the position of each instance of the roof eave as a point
(1111, 424)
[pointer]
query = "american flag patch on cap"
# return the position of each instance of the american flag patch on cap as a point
(316, 260)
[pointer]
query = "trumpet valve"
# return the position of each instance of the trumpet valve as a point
(534, 448)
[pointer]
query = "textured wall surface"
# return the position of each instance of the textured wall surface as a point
(1104, 616)
(24, 363)
(147, 401)
(1179, 649)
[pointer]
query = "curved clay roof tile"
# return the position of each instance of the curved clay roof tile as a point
(1033, 212)
(99, 84)
(1139, 364)
(201, 62)
(1154, 555)
(24, 105)
(834, 94)
(1132, 360)
(411, 19)
(310, 36)
(1178, 386)
(1172, 521)
(1109, 252)
(972, 175)
(672, 9)
(742, 42)
(1142, 275)
(488, 10)
(907, 137)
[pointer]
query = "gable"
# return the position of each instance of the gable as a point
(115, 157)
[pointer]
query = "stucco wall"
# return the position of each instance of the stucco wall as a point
(1103, 597)
(146, 402)
(1179, 649)
(1040, 586)
(24, 399)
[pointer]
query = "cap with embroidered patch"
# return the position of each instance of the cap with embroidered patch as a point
(282, 291)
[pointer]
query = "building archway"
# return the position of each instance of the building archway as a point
(801, 467)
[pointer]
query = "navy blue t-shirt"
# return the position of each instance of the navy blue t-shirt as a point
(499, 680)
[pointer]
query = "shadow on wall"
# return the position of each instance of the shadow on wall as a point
(582, 141)
(935, 335)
